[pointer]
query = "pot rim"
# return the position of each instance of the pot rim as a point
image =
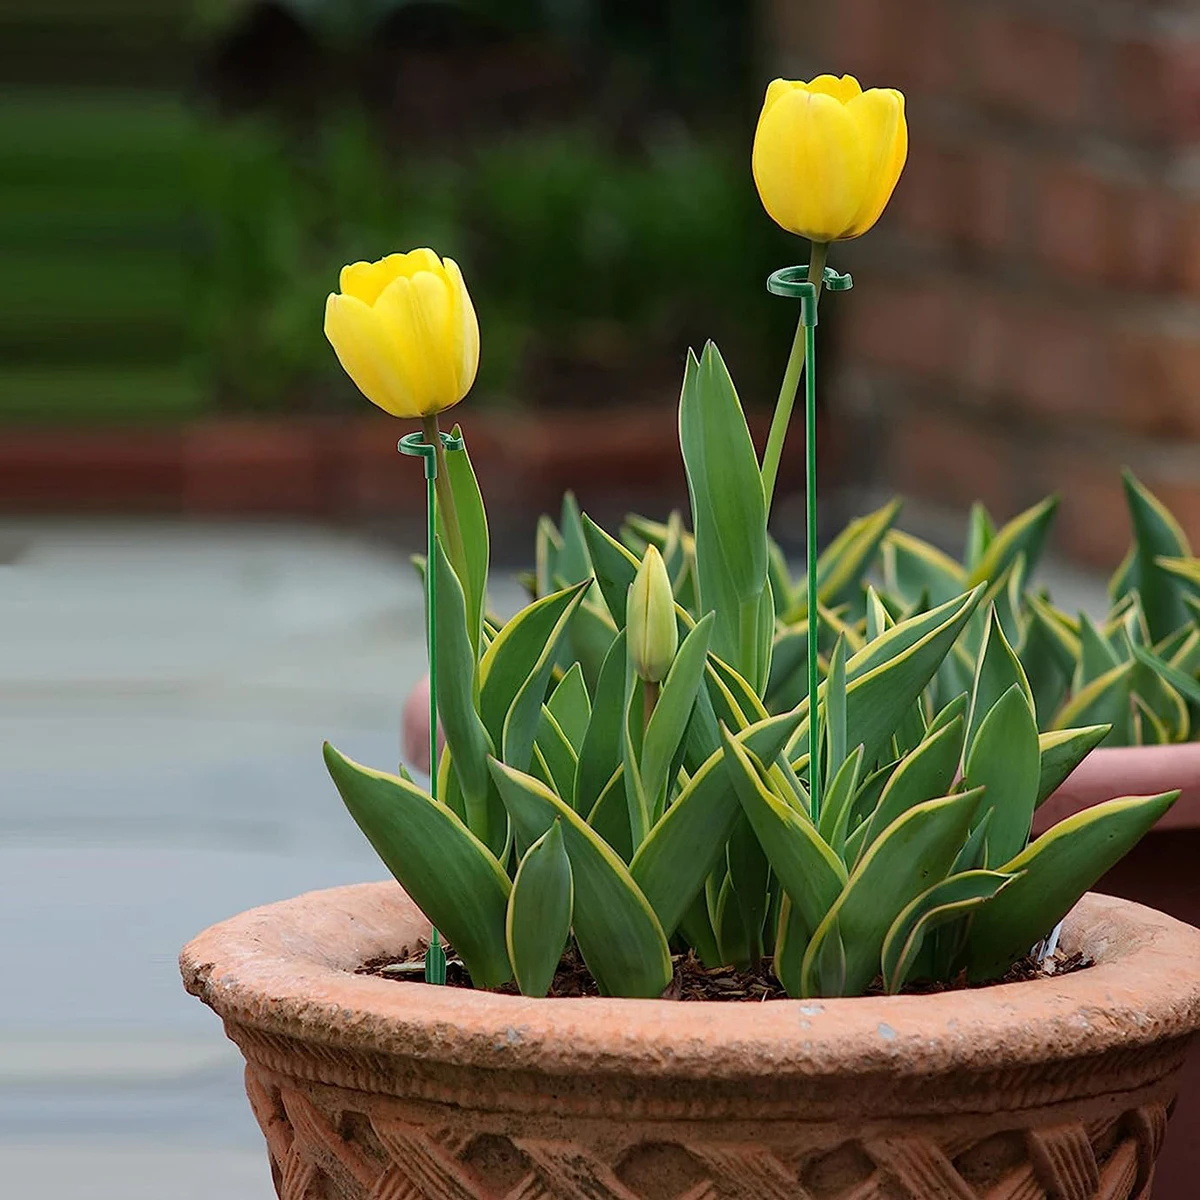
(287, 969)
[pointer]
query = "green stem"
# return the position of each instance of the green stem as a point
(810, 553)
(435, 957)
(445, 493)
(791, 382)
(650, 694)
(431, 549)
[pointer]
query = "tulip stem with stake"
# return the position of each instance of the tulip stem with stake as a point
(434, 458)
(445, 496)
(803, 350)
(791, 382)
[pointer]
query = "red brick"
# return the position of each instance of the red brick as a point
(1146, 221)
(1159, 384)
(1184, 267)
(914, 46)
(1076, 236)
(864, 39)
(1182, 497)
(72, 470)
(1155, 92)
(950, 458)
(252, 466)
(1092, 525)
(988, 216)
(911, 326)
(1030, 67)
(1063, 365)
(991, 324)
(927, 198)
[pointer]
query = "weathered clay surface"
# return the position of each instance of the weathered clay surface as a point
(368, 1089)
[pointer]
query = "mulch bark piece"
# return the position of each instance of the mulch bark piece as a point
(692, 980)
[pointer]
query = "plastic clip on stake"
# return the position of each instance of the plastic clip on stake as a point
(413, 444)
(793, 282)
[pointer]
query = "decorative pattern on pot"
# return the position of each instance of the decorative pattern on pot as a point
(340, 1152)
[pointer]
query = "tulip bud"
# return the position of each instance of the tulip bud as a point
(653, 635)
(827, 155)
(405, 331)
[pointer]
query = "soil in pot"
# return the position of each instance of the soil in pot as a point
(692, 980)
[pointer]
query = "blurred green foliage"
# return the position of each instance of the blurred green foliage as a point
(570, 250)
(160, 258)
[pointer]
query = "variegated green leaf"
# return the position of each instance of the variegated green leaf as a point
(615, 568)
(889, 674)
(526, 644)
(980, 532)
(1005, 760)
(559, 756)
(547, 547)
(915, 852)
(466, 737)
(922, 775)
(472, 570)
(447, 871)
(947, 901)
(1054, 872)
(997, 670)
(1096, 656)
(1024, 534)
(912, 567)
(521, 720)
(571, 706)
(1061, 751)
(539, 913)
(609, 816)
(834, 711)
(749, 874)
(619, 936)
(839, 801)
(1156, 535)
(728, 510)
(669, 721)
(686, 844)
(1105, 701)
(600, 754)
(843, 563)
(808, 870)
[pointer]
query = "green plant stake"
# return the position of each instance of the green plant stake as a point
(791, 282)
(413, 444)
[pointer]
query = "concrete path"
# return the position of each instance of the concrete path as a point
(164, 691)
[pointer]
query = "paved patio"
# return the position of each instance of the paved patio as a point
(164, 690)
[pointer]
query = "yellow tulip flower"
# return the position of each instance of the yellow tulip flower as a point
(405, 331)
(827, 155)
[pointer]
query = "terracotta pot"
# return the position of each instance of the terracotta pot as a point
(366, 1087)
(1160, 871)
(414, 735)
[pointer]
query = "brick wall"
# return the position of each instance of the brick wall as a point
(1026, 317)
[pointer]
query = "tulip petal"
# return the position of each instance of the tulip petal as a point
(810, 165)
(422, 259)
(779, 87)
(365, 280)
(360, 342)
(411, 350)
(466, 327)
(433, 329)
(843, 88)
(879, 115)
